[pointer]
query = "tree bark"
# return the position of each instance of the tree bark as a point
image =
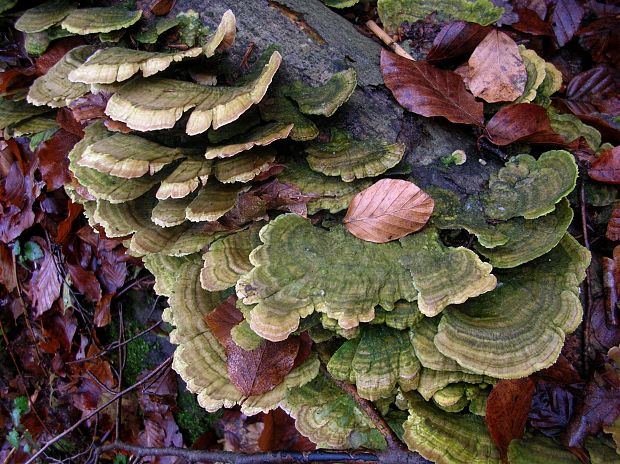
(315, 43)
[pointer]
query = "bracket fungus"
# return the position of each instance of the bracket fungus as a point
(353, 159)
(15, 111)
(542, 296)
(99, 20)
(44, 16)
(301, 269)
(327, 98)
(260, 136)
(153, 103)
(444, 275)
(244, 167)
(185, 178)
(54, 88)
(529, 238)
(201, 360)
(376, 362)
(117, 64)
(530, 187)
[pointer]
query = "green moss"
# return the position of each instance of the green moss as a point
(192, 419)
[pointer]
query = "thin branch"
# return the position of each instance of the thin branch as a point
(57, 438)
(393, 442)
(190, 455)
(587, 329)
(387, 40)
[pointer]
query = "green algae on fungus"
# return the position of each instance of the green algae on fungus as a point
(99, 20)
(518, 328)
(443, 275)
(447, 438)
(281, 109)
(44, 16)
(530, 187)
(200, 359)
(353, 159)
(529, 238)
(15, 111)
(329, 417)
(327, 98)
(301, 269)
(376, 362)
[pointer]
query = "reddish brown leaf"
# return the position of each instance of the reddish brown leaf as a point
(523, 122)
(8, 276)
(46, 281)
(64, 226)
(531, 23)
(594, 90)
(606, 167)
(495, 70)
(602, 40)
(54, 53)
(424, 89)
(85, 282)
(613, 226)
(157, 7)
(600, 406)
(388, 210)
(53, 158)
(102, 315)
(66, 120)
(241, 432)
(565, 19)
(256, 371)
(90, 107)
(611, 284)
(506, 412)
(279, 434)
(456, 39)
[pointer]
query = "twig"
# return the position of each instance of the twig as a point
(484, 144)
(190, 455)
(387, 40)
(57, 438)
(392, 440)
(121, 365)
(588, 283)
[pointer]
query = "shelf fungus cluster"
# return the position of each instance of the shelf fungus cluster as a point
(212, 186)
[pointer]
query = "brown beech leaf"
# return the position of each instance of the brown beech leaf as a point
(495, 70)
(523, 122)
(424, 89)
(507, 409)
(157, 7)
(601, 39)
(279, 434)
(388, 210)
(53, 54)
(565, 19)
(46, 282)
(8, 276)
(606, 167)
(66, 120)
(53, 158)
(611, 284)
(256, 371)
(85, 282)
(613, 226)
(456, 39)
(531, 23)
(594, 90)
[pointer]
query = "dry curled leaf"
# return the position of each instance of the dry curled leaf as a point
(388, 210)
(495, 70)
(424, 89)
(507, 409)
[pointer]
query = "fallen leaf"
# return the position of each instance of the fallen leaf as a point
(552, 408)
(424, 89)
(8, 276)
(523, 122)
(279, 434)
(456, 39)
(388, 210)
(157, 7)
(531, 23)
(55, 52)
(241, 432)
(600, 405)
(85, 282)
(102, 315)
(507, 408)
(46, 281)
(594, 90)
(54, 160)
(601, 39)
(606, 167)
(495, 70)
(90, 107)
(256, 371)
(611, 285)
(565, 19)
(613, 226)
(66, 120)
